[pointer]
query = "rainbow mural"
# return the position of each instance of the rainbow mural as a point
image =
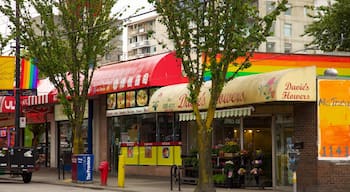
(267, 62)
(29, 74)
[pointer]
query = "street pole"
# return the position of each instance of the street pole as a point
(17, 88)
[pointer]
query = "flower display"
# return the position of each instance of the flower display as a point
(241, 171)
(256, 171)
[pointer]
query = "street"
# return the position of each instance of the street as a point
(19, 186)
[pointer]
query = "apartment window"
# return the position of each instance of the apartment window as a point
(287, 30)
(270, 6)
(287, 47)
(272, 29)
(108, 56)
(270, 47)
(146, 50)
(307, 11)
(289, 10)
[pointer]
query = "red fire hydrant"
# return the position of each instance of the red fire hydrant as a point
(104, 172)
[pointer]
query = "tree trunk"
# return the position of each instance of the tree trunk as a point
(205, 181)
(78, 146)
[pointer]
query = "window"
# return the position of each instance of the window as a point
(154, 49)
(270, 47)
(272, 30)
(287, 30)
(146, 50)
(287, 47)
(289, 10)
(270, 6)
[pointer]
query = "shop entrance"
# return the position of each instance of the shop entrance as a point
(253, 134)
(113, 143)
(257, 140)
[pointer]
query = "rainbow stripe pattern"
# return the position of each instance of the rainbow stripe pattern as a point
(267, 62)
(29, 74)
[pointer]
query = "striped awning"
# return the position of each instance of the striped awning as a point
(40, 99)
(235, 112)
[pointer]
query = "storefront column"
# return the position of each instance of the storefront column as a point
(90, 117)
(273, 135)
(241, 133)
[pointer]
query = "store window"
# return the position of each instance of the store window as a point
(66, 141)
(143, 129)
(226, 130)
(167, 132)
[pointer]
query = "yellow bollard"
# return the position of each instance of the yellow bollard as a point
(121, 171)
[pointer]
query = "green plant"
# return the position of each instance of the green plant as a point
(230, 147)
(219, 178)
(191, 160)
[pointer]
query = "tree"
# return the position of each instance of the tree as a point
(3, 42)
(221, 31)
(331, 26)
(67, 39)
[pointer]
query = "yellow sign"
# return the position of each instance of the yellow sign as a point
(7, 72)
(333, 119)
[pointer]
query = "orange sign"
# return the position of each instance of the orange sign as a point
(333, 119)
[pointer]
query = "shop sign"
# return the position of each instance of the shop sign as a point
(298, 84)
(127, 111)
(333, 119)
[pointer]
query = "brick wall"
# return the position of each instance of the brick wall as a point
(305, 131)
(314, 175)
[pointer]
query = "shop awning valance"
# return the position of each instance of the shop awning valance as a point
(45, 94)
(159, 70)
(295, 84)
(223, 113)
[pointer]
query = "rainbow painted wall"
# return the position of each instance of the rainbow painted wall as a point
(267, 62)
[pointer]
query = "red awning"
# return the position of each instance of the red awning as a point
(158, 70)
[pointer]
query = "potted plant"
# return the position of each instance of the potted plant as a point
(219, 179)
(230, 149)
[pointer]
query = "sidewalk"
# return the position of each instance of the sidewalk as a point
(132, 183)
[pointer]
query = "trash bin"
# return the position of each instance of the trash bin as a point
(82, 168)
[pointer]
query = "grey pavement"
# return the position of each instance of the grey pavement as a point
(131, 184)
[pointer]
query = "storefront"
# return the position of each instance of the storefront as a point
(37, 115)
(124, 90)
(255, 111)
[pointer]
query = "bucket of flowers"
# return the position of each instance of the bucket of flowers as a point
(241, 173)
(257, 164)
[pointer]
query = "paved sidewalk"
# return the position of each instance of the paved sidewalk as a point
(132, 183)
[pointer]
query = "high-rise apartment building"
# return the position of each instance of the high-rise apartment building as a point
(286, 31)
(288, 28)
(146, 36)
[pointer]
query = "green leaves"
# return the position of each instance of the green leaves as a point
(331, 27)
(67, 38)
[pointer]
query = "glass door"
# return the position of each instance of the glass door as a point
(284, 140)
(113, 143)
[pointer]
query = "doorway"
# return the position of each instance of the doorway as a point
(257, 140)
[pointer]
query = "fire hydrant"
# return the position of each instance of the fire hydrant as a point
(104, 172)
